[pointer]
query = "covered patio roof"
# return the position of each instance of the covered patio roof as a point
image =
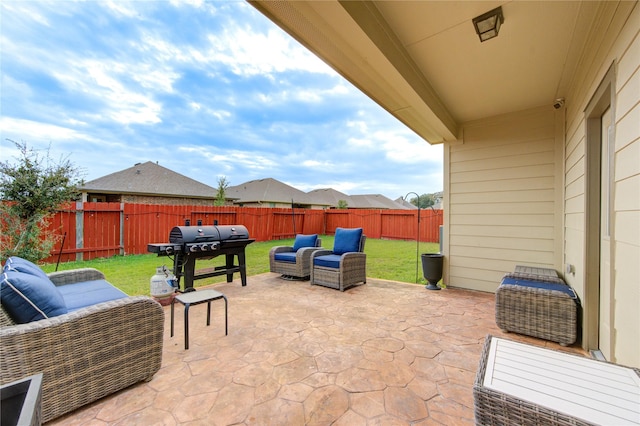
(381, 353)
(423, 62)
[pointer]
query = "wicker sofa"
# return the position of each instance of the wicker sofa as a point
(87, 353)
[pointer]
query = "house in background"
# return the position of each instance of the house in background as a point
(330, 197)
(148, 183)
(270, 192)
(406, 204)
(437, 201)
(374, 201)
(540, 132)
(334, 198)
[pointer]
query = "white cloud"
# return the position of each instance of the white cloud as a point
(400, 148)
(230, 159)
(19, 129)
(228, 94)
(219, 114)
(358, 143)
(194, 3)
(247, 52)
(314, 164)
(26, 10)
(102, 80)
(158, 79)
(359, 126)
(121, 8)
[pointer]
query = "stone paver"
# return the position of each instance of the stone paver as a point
(384, 353)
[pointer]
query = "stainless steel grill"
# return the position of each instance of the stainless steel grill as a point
(189, 243)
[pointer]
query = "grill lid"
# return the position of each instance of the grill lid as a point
(201, 234)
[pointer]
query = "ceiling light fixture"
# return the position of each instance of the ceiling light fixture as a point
(488, 24)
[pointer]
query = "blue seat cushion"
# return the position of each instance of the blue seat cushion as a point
(304, 241)
(80, 295)
(540, 284)
(288, 256)
(328, 260)
(347, 240)
(28, 297)
(15, 263)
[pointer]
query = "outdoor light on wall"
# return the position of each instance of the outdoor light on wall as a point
(488, 24)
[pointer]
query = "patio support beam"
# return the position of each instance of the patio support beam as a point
(371, 21)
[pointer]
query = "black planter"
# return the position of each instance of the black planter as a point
(432, 269)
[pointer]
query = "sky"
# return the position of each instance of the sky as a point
(206, 89)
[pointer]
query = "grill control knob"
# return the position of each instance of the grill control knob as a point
(193, 248)
(168, 250)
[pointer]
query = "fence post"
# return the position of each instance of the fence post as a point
(122, 251)
(79, 230)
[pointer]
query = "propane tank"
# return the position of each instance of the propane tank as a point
(163, 283)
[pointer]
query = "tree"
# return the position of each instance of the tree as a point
(221, 198)
(342, 204)
(426, 200)
(30, 192)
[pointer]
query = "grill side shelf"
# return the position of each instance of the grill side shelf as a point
(164, 249)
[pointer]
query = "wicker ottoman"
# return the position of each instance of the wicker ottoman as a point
(542, 307)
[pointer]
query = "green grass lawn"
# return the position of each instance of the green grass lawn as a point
(386, 259)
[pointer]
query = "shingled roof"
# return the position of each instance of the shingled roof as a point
(406, 204)
(267, 190)
(270, 190)
(328, 196)
(150, 179)
(374, 201)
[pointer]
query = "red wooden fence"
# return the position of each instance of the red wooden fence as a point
(92, 230)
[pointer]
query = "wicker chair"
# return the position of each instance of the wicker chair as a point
(86, 354)
(337, 268)
(292, 262)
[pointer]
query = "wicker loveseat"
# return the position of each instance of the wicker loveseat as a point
(87, 353)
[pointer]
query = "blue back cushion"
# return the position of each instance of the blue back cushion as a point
(28, 297)
(347, 240)
(15, 263)
(304, 241)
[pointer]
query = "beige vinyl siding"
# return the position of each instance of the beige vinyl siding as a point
(627, 199)
(502, 208)
(614, 40)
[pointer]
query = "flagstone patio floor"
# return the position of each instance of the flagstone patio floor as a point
(384, 353)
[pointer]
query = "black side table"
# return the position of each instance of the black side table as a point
(195, 298)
